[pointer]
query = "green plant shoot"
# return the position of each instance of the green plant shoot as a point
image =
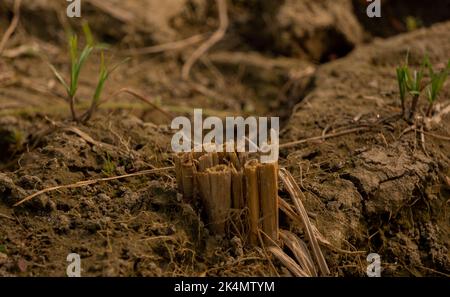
(402, 79)
(77, 61)
(437, 83)
(103, 76)
(415, 86)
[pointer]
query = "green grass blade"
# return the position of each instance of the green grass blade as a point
(437, 84)
(84, 55)
(430, 67)
(88, 34)
(118, 65)
(432, 92)
(73, 44)
(77, 69)
(59, 77)
(103, 76)
(401, 79)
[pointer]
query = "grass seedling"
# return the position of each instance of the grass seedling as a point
(437, 82)
(77, 62)
(402, 79)
(109, 167)
(415, 86)
(103, 76)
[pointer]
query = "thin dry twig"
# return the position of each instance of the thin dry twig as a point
(264, 250)
(433, 270)
(407, 130)
(12, 27)
(218, 97)
(300, 251)
(442, 137)
(6, 217)
(422, 141)
(146, 100)
(216, 37)
(323, 137)
(287, 209)
(288, 261)
(165, 47)
(415, 129)
(86, 137)
(92, 181)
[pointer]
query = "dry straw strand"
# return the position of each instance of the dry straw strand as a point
(268, 191)
(287, 261)
(300, 251)
(253, 203)
(296, 193)
(92, 181)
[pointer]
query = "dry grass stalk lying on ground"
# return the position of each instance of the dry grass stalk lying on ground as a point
(290, 264)
(297, 196)
(226, 183)
(85, 183)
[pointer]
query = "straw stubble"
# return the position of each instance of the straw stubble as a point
(253, 203)
(268, 190)
(220, 191)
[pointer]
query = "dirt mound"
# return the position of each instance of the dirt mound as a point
(316, 30)
(377, 191)
(134, 227)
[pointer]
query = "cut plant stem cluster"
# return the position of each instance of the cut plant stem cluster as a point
(226, 183)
